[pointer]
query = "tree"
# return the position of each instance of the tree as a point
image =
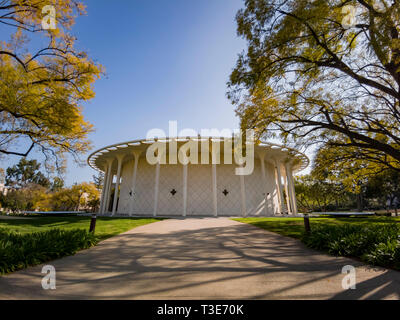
(2, 176)
(41, 91)
(14, 201)
(57, 184)
(382, 187)
(98, 180)
(24, 173)
(30, 198)
(316, 194)
(347, 168)
(83, 195)
(371, 183)
(319, 71)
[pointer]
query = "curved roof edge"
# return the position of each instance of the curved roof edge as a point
(303, 160)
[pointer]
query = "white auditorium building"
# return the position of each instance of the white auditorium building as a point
(208, 187)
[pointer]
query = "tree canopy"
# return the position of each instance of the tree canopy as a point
(26, 172)
(321, 194)
(42, 89)
(79, 195)
(322, 72)
(98, 180)
(32, 190)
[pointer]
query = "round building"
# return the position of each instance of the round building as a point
(197, 176)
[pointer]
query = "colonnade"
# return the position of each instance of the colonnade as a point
(286, 197)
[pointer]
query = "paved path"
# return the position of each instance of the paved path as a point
(210, 258)
(13, 218)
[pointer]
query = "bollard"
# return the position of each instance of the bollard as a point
(307, 223)
(92, 223)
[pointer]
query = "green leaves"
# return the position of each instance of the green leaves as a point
(375, 244)
(18, 251)
(320, 194)
(42, 91)
(310, 79)
(24, 173)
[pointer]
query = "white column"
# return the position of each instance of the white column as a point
(214, 188)
(269, 178)
(116, 191)
(109, 193)
(136, 155)
(279, 186)
(157, 179)
(291, 188)
(262, 155)
(108, 186)
(185, 173)
(287, 193)
(103, 190)
(243, 195)
(293, 193)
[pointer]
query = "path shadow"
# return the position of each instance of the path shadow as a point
(144, 264)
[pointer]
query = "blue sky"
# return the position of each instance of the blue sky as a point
(165, 60)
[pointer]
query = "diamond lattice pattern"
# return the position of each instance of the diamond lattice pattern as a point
(229, 204)
(199, 201)
(171, 178)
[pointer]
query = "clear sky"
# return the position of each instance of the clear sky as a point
(165, 60)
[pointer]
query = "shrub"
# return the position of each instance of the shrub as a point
(385, 254)
(378, 244)
(18, 251)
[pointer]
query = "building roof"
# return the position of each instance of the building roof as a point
(98, 159)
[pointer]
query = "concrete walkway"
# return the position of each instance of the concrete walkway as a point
(209, 258)
(13, 218)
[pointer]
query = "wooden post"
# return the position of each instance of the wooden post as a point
(92, 223)
(307, 223)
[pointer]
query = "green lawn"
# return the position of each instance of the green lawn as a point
(374, 240)
(294, 227)
(34, 240)
(105, 227)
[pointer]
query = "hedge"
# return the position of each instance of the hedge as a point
(375, 244)
(18, 251)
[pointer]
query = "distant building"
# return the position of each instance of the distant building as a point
(3, 189)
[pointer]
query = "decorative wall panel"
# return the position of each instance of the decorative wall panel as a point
(199, 200)
(228, 191)
(170, 192)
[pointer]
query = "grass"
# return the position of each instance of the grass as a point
(374, 240)
(294, 227)
(105, 227)
(18, 251)
(31, 241)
